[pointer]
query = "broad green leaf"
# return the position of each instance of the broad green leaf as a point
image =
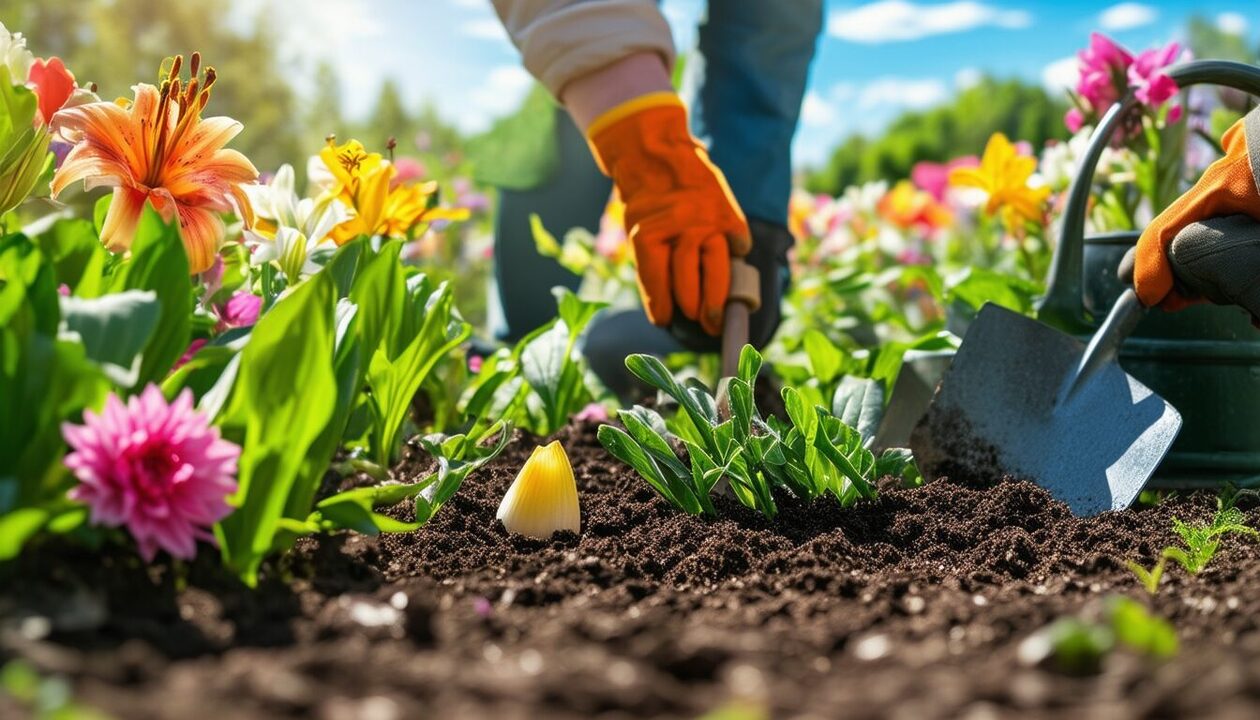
(825, 359)
(396, 380)
(749, 364)
(859, 403)
(623, 447)
(158, 263)
(285, 395)
(114, 330)
(77, 255)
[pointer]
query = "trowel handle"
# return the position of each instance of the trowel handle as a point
(1105, 345)
(743, 300)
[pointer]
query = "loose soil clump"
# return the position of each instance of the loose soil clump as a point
(910, 606)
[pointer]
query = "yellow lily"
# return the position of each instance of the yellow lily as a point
(365, 182)
(1003, 174)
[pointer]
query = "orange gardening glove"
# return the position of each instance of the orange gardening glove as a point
(682, 220)
(1228, 187)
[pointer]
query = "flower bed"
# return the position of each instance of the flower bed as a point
(250, 464)
(920, 602)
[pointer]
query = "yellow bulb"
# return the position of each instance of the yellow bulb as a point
(543, 497)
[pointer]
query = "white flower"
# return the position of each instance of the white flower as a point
(301, 227)
(1060, 161)
(13, 53)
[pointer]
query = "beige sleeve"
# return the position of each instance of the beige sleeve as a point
(561, 40)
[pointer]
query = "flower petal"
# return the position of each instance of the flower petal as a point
(202, 232)
(119, 228)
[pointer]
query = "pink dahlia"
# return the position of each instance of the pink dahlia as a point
(157, 468)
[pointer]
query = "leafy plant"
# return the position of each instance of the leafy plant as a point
(61, 355)
(1200, 540)
(726, 438)
(543, 380)
(457, 457)
(417, 325)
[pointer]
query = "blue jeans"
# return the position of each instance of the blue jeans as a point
(744, 82)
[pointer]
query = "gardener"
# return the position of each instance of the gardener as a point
(608, 62)
(1219, 263)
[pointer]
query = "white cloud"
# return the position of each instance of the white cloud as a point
(1061, 74)
(893, 20)
(501, 93)
(817, 111)
(484, 29)
(1233, 23)
(1126, 16)
(967, 78)
(901, 93)
(471, 4)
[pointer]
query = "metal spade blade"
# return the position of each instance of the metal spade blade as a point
(1024, 400)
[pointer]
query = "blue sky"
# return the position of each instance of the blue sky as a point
(875, 59)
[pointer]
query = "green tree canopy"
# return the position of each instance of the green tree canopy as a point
(960, 126)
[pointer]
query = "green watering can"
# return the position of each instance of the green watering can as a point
(1204, 360)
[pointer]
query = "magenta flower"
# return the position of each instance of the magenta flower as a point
(933, 178)
(192, 349)
(1152, 85)
(241, 310)
(1103, 67)
(158, 469)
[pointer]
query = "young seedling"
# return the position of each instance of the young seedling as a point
(1201, 543)
(1078, 646)
(814, 454)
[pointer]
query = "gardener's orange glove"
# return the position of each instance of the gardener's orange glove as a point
(683, 222)
(1228, 187)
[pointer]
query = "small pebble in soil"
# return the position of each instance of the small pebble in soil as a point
(872, 647)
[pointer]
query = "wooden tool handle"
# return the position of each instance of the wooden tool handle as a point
(743, 300)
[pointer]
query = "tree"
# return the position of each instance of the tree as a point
(117, 43)
(323, 113)
(390, 118)
(961, 126)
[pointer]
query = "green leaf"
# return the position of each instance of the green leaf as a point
(1140, 630)
(544, 241)
(285, 395)
(859, 403)
(114, 330)
(100, 210)
(77, 255)
(574, 312)
(17, 527)
(668, 483)
(825, 359)
(395, 380)
(749, 364)
(158, 263)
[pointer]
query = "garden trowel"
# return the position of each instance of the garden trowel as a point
(1026, 401)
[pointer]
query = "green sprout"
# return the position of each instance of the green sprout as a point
(1201, 541)
(1077, 646)
(727, 439)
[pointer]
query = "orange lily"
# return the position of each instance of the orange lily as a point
(158, 149)
(908, 208)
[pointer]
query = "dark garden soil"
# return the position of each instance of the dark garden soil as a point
(913, 606)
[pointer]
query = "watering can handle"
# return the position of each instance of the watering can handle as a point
(1062, 305)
